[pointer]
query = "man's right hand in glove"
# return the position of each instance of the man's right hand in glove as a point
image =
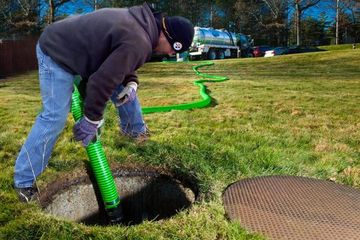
(85, 130)
(128, 94)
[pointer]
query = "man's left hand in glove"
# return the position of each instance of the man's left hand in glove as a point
(128, 94)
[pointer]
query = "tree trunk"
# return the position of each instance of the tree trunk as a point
(211, 14)
(297, 16)
(51, 12)
(337, 23)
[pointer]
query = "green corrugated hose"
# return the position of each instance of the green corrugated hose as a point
(206, 99)
(100, 166)
(98, 161)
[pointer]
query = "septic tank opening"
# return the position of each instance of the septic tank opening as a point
(145, 195)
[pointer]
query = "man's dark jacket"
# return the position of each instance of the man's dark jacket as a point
(105, 47)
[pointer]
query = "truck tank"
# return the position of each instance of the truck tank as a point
(214, 36)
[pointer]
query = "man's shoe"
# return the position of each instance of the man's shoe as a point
(28, 194)
(141, 138)
(138, 137)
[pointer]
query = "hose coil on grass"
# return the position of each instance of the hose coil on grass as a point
(206, 99)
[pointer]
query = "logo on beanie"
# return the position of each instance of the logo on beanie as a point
(177, 46)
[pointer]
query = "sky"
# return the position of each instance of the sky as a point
(322, 7)
(69, 8)
(73, 7)
(80, 6)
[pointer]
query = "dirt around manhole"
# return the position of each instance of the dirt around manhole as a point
(146, 194)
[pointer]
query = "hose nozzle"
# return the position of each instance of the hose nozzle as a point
(115, 215)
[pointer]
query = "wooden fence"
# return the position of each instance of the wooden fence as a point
(17, 56)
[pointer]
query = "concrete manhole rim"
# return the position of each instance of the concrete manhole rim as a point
(68, 182)
(83, 177)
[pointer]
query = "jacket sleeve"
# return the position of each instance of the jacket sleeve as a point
(82, 87)
(132, 77)
(121, 62)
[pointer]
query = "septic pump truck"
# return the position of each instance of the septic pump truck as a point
(209, 43)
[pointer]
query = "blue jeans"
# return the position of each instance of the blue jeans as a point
(131, 120)
(56, 86)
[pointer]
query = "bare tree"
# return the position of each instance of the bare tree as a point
(53, 7)
(353, 7)
(93, 3)
(276, 7)
(343, 9)
(278, 18)
(97, 4)
(356, 20)
(300, 7)
(337, 23)
(19, 16)
(264, 19)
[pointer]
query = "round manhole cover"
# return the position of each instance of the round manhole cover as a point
(288, 207)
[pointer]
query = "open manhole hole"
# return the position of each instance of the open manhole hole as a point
(145, 195)
(288, 207)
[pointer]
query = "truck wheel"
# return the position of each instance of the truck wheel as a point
(233, 53)
(221, 54)
(211, 54)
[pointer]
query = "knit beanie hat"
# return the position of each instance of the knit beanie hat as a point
(179, 32)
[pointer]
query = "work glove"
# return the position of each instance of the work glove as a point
(85, 130)
(128, 94)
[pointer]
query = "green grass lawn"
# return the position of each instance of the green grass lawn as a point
(338, 47)
(288, 115)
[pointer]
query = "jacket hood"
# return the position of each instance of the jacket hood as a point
(146, 19)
